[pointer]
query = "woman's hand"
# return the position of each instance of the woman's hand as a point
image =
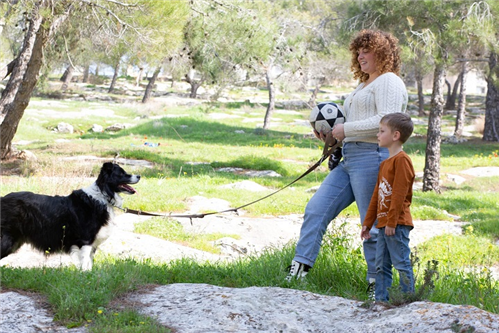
(321, 136)
(339, 132)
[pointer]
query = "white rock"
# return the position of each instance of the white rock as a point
(191, 308)
(21, 314)
(482, 171)
(456, 179)
(97, 128)
(65, 128)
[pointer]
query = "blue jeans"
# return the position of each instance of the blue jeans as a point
(393, 250)
(352, 180)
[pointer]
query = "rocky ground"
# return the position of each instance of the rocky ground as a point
(205, 308)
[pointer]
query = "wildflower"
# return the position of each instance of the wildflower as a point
(469, 230)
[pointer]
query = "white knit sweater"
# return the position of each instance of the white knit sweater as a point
(365, 106)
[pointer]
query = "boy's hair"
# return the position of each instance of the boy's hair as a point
(400, 122)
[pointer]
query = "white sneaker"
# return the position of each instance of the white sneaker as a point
(297, 271)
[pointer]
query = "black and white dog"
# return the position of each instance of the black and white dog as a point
(76, 224)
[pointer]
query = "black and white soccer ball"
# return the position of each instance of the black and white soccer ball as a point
(325, 115)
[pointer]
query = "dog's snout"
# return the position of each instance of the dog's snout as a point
(135, 178)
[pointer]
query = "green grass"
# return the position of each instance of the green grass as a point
(192, 134)
(172, 231)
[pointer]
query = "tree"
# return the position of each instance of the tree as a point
(328, 58)
(25, 68)
(461, 106)
(450, 104)
(43, 18)
(161, 25)
(491, 127)
(489, 37)
(224, 41)
(288, 48)
(417, 55)
(441, 18)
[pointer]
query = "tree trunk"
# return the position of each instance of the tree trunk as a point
(449, 95)
(139, 77)
(419, 83)
(150, 85)
(491, 128)
(194, 85)
(86, 74)
(451, 98)
(313, 97)
(66, 78)
(431, 175)
(271, 106)
(115, 77)
(194, 89)
(15, 98)
(461, 106)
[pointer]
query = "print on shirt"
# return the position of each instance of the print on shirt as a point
(384, 192)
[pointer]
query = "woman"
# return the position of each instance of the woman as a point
(376, 64)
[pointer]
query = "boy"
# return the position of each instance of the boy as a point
(390, 206)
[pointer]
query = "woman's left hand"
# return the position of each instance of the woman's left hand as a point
(339, 132)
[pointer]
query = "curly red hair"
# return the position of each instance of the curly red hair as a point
(386, 50)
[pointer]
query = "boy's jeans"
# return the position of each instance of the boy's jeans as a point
(393, 250)
(352, 180)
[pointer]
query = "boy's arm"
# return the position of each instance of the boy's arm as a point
(402, 185)
(371, 214)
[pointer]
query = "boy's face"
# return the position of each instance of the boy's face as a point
(386, 137)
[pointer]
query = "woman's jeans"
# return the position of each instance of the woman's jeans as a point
(352, 180)
(393, 250)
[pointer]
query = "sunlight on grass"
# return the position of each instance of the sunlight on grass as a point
(458, 251)
(174, 232)
(192, 145)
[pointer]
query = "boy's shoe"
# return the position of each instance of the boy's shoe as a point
(297, 271)
(371, 294)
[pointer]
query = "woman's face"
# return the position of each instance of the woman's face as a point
(367, 60)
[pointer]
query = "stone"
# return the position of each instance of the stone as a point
(193, 308)
(97, 128)
(115, 128)
(65, 128)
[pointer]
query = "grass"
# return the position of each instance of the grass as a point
(457, 266)
(171, 230)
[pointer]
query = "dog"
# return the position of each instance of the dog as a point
(76, 224)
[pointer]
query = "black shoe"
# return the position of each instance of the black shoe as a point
(297, 271)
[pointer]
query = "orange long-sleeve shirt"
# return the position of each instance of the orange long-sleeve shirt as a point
(392, 196)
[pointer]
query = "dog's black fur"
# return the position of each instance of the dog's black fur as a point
(70, 224)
